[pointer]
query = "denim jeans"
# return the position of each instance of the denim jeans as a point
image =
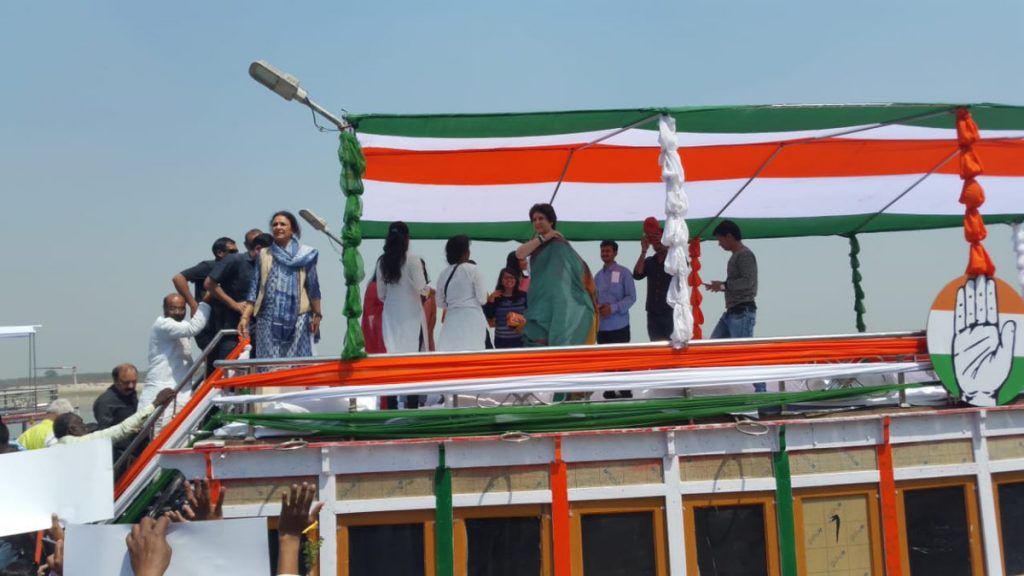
(738, 325)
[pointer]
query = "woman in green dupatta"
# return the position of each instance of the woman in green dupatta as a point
(562, 309)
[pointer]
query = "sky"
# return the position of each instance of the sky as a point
(131, 135)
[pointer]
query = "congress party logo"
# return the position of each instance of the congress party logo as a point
(973, 340)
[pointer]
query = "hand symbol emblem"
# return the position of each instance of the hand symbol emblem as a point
(982, 349)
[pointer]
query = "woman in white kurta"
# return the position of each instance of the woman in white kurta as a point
(461, 290)
(402, 285)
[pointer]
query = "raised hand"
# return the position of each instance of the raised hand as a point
(982, 349)
(147, 547)
(199, 504)
(298, 513)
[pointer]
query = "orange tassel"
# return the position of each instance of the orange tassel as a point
(972, 195)
(974, 227)
(966, 129)
(970, 164)
(980, 264)
(694, 281)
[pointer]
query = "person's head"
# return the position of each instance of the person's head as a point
(508, 281)
(728, 235)
(58, 407)
(457, 249)
(516, 263)
(395, 246)
(174, 307)
(255, 240)
(223, 246)
(653, 232)
(609, 250)
(283, 227)
(126, 377)
(69, 424)
(543, 218)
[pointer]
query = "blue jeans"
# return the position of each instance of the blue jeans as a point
(738, 325)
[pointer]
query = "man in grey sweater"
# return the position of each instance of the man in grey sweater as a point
(740, 285)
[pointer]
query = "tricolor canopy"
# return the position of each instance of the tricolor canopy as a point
(780, 170)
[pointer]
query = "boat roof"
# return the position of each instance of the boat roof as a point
(777, 170)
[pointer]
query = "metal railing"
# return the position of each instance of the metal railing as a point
(144, 434)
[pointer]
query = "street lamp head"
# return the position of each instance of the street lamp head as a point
(315, 221)
(285, 85)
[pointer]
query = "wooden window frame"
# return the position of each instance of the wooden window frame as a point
(771, 534)
(515, 511)
(870, 492)
(654, 505)
(997, 481)
(424, 517)
(969, 486)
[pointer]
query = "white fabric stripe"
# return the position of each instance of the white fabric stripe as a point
(940, 331)
(649, 138)
(597, 381)
(764, 198)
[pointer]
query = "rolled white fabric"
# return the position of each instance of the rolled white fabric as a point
(677, 233)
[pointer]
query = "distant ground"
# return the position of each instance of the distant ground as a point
(80, 395)
(60, 379)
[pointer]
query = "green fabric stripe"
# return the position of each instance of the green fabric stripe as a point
(752, 227)
(444, 540)
(393, 424)
(728, 119)
(784, 507)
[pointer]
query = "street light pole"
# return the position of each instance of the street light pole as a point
(287, 86)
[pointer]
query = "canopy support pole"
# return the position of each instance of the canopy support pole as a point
(572, 151)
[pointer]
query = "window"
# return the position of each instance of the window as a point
(615, 538)
(938, 522)
(386, 544)
(1010, 502)
(386, 550)
(503, 546)
(735, 534)
(838, 532)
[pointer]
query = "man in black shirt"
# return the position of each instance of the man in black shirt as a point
(659, 313)
(197, 275)
(229, 282)
(118, 402)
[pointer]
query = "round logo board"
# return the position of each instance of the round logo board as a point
(975, 340)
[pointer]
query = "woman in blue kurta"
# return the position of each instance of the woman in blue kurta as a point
(284, 298)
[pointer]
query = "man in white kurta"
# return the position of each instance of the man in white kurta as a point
(170, 349)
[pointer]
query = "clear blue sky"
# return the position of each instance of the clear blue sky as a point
(131, 135)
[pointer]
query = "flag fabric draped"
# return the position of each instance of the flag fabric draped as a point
(782, 170)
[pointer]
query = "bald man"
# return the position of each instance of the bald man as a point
(170, 346)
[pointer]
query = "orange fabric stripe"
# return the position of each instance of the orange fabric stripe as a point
(706, 353)
(617, 164)
(887, 495)
(560, 532)
(150, 451)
